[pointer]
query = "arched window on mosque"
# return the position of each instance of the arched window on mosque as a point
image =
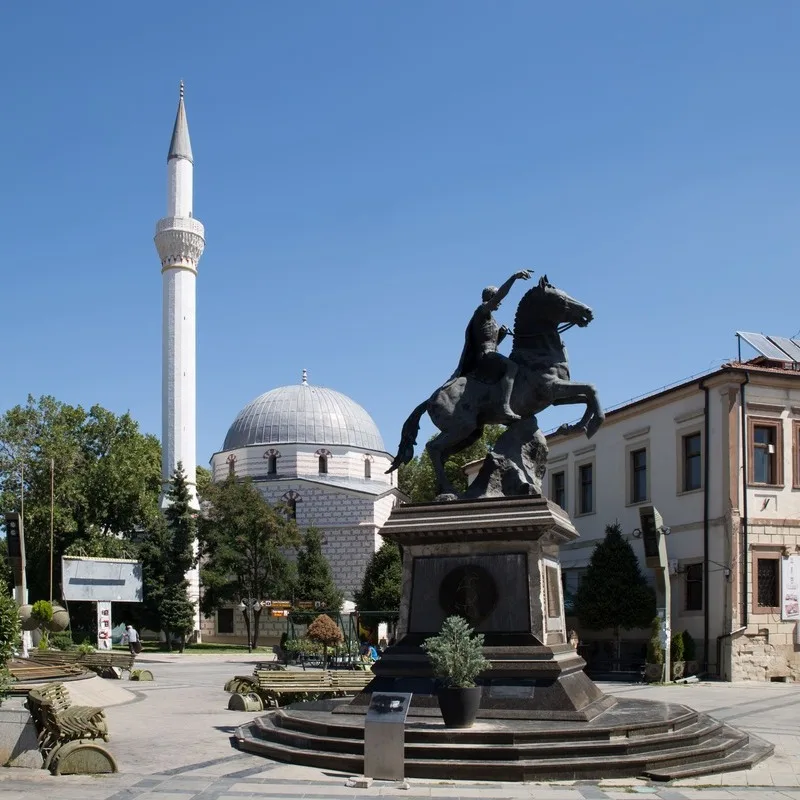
(367, 468)
(231, 461)
(290, 500)
(272, 457)
(324, 455)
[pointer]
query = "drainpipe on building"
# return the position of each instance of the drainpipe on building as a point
(706, 478)
(743, 529)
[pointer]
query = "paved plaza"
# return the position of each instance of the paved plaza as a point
(172, 741)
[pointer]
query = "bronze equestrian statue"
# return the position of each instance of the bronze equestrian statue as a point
(488, 388)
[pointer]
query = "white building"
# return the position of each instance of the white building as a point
(719, 457)
(320, 453)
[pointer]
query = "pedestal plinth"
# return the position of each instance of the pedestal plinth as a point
(495, 563)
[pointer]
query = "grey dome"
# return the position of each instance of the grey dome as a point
(304, 414)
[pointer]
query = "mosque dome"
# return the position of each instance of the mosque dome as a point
(304, 414)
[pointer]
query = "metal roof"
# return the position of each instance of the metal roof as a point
(304, 414)
(180, 146)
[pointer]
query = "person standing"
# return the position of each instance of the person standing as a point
(134, 644)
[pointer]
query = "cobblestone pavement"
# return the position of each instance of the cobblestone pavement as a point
(172, 742)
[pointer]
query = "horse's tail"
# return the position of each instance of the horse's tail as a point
(408, 437)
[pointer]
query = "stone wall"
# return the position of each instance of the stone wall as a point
(756, 658)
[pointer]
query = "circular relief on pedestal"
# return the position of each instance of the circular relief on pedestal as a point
(468, 591)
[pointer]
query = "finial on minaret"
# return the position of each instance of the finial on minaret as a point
(180, 146)
(305, 377)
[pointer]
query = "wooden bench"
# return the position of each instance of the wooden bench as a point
(275, 687)
(102, 662)
(60, 723)
(105, 663)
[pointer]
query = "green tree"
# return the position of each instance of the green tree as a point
(10, 628)
(314, 579)
(203, 481)
(614, 592)
(381, 587)
(167, 554)
(242, 538)
(417, 480)
(106, 479)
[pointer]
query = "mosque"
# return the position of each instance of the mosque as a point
(311, 448)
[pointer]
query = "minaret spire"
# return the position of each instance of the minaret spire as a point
(180, 146)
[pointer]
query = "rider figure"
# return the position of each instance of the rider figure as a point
(483, 335)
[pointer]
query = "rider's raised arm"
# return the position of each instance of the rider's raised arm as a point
(501, 293)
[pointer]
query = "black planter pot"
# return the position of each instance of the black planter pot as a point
(459, 707)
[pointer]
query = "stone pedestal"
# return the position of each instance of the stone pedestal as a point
(494, 562)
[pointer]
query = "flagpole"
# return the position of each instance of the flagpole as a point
(52, 471)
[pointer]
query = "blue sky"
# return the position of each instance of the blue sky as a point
(364, 169)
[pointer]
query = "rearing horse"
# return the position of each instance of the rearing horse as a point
(462, 406)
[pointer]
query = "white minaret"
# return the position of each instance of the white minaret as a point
(180, 242)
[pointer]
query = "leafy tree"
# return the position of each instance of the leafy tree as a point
(42, 613)
(314, 579)
(10, 628)
(381, 588)
(203, 481)
(241, 541)
(107, 478)
(614, 592)
(326, 632)
(167, 555)
(416, 479)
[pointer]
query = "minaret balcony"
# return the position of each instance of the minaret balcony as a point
(180, 242)
(181, 223)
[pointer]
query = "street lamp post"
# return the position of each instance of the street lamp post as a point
(248, 607)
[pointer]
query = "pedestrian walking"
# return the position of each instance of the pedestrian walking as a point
(134, 644)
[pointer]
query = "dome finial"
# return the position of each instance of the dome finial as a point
(305, 377)
(181, 90)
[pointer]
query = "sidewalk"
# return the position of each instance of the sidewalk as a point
(172, 742)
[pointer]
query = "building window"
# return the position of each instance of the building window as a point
(796, 459)
(367, 468)
(765, 452)
(225, 620)
(691, 452)
(323, 465)
(767, 575)
(558, 488)
(585, 489)
(694, 587)
(638, 475)
(290, 501)
(272, 467)
(231, 462)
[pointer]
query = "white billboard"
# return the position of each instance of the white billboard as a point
(114, 580)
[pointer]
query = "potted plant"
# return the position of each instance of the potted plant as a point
(676, 656)
(456, 657)
(654, 666)
(692, 667)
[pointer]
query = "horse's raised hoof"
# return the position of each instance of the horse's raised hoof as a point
(593, 426)
(446, 497)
